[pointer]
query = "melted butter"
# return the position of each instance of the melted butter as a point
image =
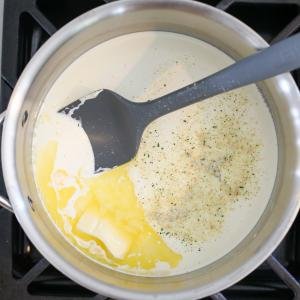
(107, 197)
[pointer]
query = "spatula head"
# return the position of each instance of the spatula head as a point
(112, 125)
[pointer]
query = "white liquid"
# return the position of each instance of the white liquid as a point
(147, 65)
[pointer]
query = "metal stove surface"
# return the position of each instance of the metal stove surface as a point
(24, 272)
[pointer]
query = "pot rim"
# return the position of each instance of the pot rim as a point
(18, 200)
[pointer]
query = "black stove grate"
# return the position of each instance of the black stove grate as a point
(24, 273)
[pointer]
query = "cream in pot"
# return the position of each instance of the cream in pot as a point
(203, 175)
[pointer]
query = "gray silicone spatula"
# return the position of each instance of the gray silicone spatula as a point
(115, 125)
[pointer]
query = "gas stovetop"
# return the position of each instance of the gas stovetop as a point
(24, 272)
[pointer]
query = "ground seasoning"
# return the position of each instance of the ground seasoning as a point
(207, 164)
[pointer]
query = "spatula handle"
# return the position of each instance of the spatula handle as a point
(279, 58)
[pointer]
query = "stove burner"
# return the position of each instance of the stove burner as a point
(24, 273)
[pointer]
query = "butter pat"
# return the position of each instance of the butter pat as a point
(103, 229)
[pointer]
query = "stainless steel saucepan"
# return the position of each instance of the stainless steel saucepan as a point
(101, 24)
